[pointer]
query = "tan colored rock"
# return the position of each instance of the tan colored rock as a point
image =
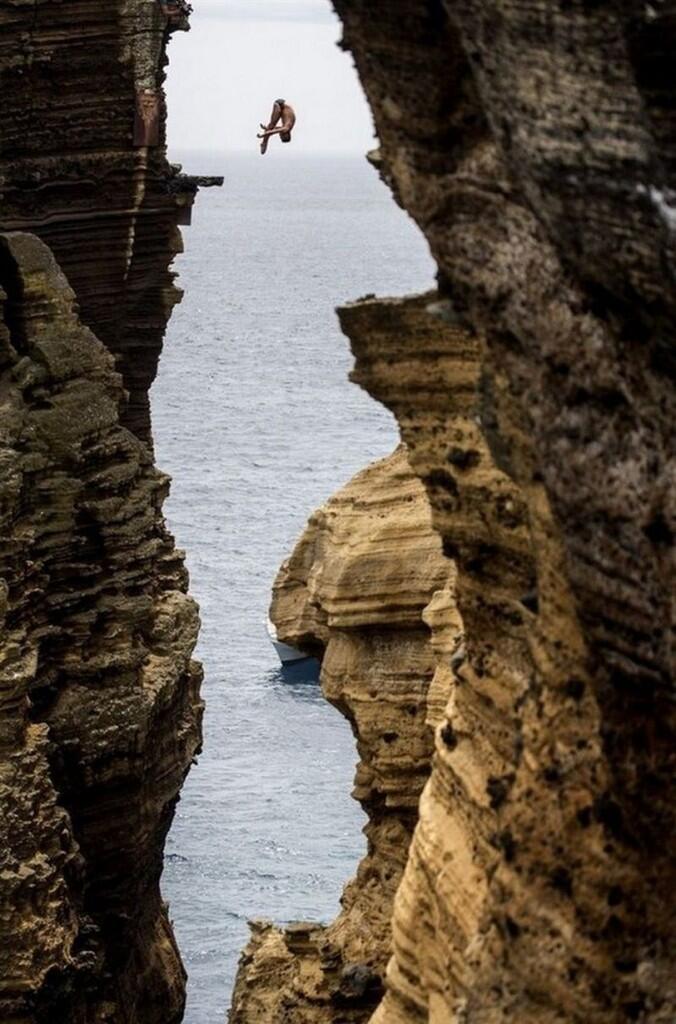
(355, 588)
(533, 144)
(426, 370)
(514, 899)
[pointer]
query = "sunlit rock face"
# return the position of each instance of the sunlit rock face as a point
(99, 705)
(355, 589)
(534, 146)
(446, 921)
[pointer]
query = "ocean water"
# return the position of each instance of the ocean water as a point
(256, 421)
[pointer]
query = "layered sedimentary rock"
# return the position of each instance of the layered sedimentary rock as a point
(533, 145)
(354, 590)
(448, 918)
(83, 165)
(99, 706)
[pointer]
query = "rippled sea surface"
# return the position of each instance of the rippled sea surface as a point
(256, 421)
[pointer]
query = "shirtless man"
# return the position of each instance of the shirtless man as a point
(281, 111)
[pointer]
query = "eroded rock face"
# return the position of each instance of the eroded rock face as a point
(74, 170)
(492, 740)
(355, 588)
(99, 705)
(100, 712)
(532, 144)
(535, 394)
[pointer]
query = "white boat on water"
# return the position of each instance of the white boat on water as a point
(286, 653)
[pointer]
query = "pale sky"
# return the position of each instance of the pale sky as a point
(242, 54)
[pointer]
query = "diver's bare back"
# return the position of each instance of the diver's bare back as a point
(281, 111)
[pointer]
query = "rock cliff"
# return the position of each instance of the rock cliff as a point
(83, 165)
(533, 144)
(355, 588)
(99, 700)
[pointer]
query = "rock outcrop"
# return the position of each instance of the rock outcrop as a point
(465, 844)
(354, 589)
(100, 711)
(99, 699)
(533, 145)
(83, 165)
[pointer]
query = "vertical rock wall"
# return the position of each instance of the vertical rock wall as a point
(532, 143)
(74, 169)
(449, 923)
(355, 588)
(99, 705)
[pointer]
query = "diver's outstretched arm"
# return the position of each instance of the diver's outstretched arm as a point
(272, 131)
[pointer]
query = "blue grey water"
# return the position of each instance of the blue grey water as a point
(257, 423)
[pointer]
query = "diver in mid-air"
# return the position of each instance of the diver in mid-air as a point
(281, 111)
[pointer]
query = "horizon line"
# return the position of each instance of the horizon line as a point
(363, 154)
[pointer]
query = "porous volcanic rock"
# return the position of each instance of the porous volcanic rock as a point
(354, 589)
(534, 145)
(99, 705)
(74, 171)
(100, 714)
(491, 741)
